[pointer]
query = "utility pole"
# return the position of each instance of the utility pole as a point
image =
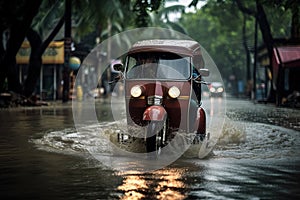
(67, 49)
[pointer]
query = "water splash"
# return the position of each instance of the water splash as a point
(233, 132)
(99, 139)
(257, 141)
(238, 140)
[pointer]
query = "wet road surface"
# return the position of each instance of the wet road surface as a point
(42, 156)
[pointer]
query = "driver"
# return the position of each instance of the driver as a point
(145, 67)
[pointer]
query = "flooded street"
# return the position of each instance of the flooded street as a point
(42, 156)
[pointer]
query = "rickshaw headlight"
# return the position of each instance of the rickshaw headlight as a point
(136, 91)
(174, 92)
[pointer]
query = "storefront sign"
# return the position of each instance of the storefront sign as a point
(54, 54)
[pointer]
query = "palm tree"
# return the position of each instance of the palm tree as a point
(89, 15)
(161, 18)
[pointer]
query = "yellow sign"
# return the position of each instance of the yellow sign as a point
(54, 54)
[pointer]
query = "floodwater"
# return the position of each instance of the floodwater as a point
(43, 156)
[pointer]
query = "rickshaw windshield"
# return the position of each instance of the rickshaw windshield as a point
(158, 65)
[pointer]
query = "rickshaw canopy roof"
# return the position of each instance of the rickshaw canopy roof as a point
(180, 47)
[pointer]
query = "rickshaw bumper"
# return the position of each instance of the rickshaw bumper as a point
(155, 113)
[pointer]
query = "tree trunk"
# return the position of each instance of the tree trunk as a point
(265, 29)
(245, 44)
(8, 69)
(35, 62)
(268, 40)
(66, 71)
(18, 32)
(295, 29)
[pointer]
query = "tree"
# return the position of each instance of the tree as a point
(226, 29)
(88, 15)
(217, 27)
(22, 18)
(142, 9)
(16, 37)
(38, 47)
(18, 24)
(161, 18)
(264, 23)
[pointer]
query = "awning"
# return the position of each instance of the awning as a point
(288, 56)
(54, 54)
(284, 57)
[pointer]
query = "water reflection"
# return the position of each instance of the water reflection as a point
(217, 106)
(134, 185)
(161, 184)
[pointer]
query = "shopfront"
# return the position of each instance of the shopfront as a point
(286, 71)
(49, 86)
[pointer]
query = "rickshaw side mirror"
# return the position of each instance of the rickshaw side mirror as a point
(118, 67)
(204, 72)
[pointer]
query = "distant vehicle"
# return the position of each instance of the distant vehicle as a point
(216, 89)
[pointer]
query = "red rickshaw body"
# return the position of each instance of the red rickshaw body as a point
(161, 87)
(173, 107)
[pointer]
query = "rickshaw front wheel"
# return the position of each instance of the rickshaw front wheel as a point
(155, 135)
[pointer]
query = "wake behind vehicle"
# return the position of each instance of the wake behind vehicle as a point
(162, 80)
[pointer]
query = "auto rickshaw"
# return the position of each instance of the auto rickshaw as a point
(162, 80)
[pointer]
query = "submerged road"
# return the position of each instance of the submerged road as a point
(43, 156)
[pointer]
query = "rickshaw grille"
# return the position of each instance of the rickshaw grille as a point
(154, 100)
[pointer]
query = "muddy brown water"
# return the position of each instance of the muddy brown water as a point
(43, 156)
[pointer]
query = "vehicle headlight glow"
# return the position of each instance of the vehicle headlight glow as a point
(212, 89)
(174, 92)
(220, 89)
(136, 91)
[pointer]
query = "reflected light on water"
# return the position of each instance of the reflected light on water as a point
(217, 106)
(133, 185)
(160, 184)
(171, 181)
(211, 113)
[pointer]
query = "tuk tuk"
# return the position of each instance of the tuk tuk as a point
(162, 80)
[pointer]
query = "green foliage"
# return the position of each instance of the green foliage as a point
(279, 18)
(142, 8)
(218, 27)
(48, 17)
(104, 18)
(161, 18)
